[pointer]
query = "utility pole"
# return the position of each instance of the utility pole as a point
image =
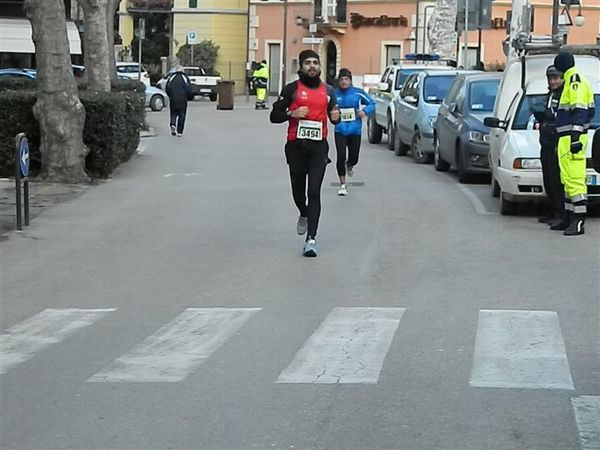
(141, 36)
(555, 6)
(284, 49)
(466, 35)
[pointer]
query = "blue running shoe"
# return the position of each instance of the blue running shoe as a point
(310, 248)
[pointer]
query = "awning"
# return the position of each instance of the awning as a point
(15, 37)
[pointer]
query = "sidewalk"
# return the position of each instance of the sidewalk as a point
(42, 195)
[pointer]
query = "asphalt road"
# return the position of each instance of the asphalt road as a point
(169, 308)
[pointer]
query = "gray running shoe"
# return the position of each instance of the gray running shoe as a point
(349, 170)
(310, 248)
(173, 130)
(302, 225)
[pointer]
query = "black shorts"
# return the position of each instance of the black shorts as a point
(303, 155)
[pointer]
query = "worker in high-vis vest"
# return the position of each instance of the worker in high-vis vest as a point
(261, 81)
(575, 112)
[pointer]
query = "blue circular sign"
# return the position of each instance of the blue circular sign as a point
(24, 156)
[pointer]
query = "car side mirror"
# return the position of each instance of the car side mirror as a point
(453, 108)
(494, 122)
(384, 87)
(410, 99)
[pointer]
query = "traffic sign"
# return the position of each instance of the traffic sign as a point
(192, 38)
(565, 18)
(24, 156)
(312, 40)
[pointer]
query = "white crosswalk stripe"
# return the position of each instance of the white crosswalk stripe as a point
(22, 341)
(587, 416)
(179, 347)
(348, 347)
(520, 349)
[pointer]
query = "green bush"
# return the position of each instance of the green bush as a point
(111, 130)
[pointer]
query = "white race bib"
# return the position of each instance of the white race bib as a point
(347, 114)
(310, 129)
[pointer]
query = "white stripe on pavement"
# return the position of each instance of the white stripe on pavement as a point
(178, 348)
(587, 415)
(475, 201)
(348, 347)
(22, 341)
(520, 349)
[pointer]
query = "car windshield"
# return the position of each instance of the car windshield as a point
(436, 87)
(524, 118)
(403, 75)
(482, 95)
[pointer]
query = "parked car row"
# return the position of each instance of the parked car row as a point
(478, 122)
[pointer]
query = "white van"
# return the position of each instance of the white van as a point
(514, 142)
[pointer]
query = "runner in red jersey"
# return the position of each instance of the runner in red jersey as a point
(306, 104)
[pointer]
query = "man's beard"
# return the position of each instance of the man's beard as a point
(316, 74)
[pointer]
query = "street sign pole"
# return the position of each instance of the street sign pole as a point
(141, 36)
(22, 173)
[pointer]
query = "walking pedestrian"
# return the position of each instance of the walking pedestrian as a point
(348, 132)
(179, 90)
(575, 112)
(306, 104)
(548, 154)
(261, 82)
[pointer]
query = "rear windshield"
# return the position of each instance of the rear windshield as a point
(436, 87)
(524, 119)
(482, 95)
(402, 75)
(129, 69)
(195, 72)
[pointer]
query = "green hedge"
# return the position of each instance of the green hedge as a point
(111, 130)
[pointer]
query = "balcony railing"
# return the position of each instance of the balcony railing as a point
(149, 5)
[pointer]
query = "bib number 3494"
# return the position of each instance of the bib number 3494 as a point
(310, 129)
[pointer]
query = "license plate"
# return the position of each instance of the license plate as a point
(205, 90)
(592, 180)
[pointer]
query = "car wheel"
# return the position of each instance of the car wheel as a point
(461, 167)
(507, 208)
(391, 132)
(418, 154)
(495, 187)
(374, 131)
(157, 103)
(213, 97)
(439, 164)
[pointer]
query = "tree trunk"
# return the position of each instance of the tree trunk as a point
(111, 8)
(96, 46)
(58, 110)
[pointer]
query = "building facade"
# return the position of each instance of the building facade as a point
(368, 35)
(225, 22)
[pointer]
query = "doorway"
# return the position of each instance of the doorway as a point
(274, 69)
(331, 72)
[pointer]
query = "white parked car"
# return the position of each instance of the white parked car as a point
(131, 69)
(202, 84)
(156, 99)
(514, 140)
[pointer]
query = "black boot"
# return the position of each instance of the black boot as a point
(577, 226)
(562, 224)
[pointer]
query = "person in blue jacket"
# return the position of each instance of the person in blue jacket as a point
(348, 131)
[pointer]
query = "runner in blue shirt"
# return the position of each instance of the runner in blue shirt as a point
(348, 131)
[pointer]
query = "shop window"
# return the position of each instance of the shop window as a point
(193, 3)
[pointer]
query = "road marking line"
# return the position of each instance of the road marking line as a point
(22, 341)
(520, 349)
(475, 201)
(349, 346)
(587, 416)
(178, 348)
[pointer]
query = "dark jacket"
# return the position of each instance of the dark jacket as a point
(179, 89)
(547, 120)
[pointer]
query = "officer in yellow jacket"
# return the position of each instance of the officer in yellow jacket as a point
(261, 81)
(575, 112)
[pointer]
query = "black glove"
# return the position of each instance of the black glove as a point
(576, 147)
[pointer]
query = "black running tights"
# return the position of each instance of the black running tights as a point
(312, 210)
(341, 143)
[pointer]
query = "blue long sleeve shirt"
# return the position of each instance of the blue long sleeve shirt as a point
(349, 101)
